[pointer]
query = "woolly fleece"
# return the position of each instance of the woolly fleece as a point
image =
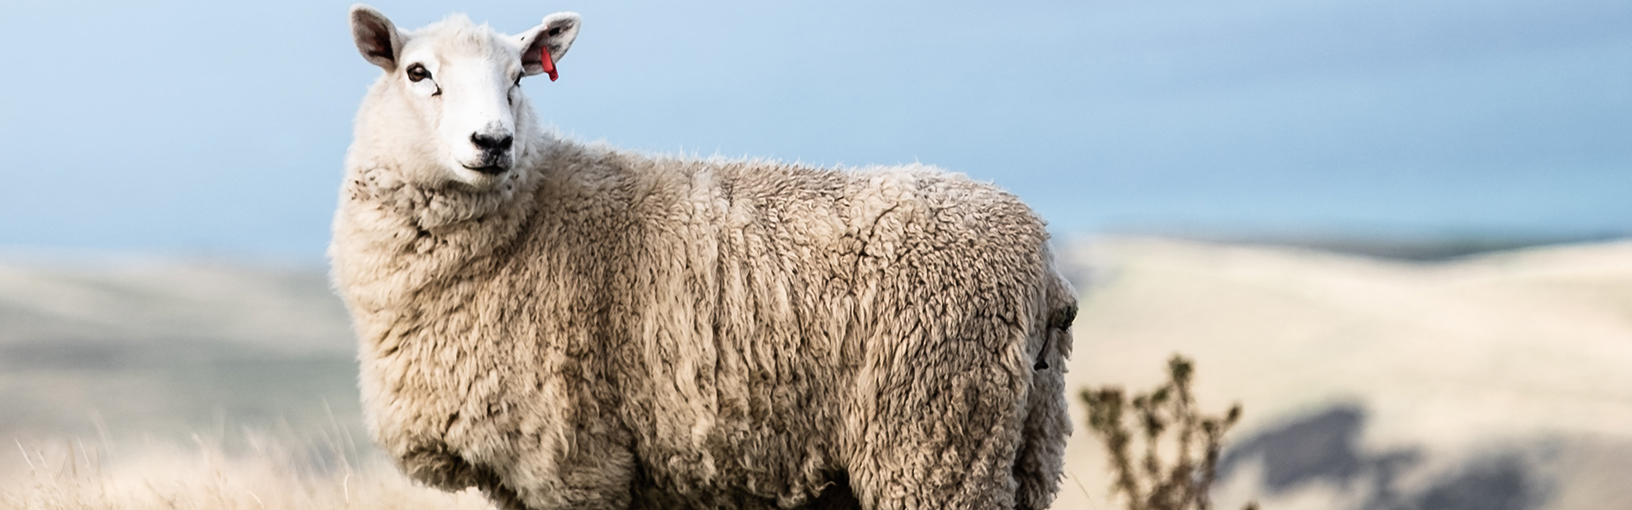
(608, 329)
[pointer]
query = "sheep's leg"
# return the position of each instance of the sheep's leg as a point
(944, 436)
(502, 496)
(595, 473)
(579, 485)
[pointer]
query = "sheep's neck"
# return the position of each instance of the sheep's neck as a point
(402, 237)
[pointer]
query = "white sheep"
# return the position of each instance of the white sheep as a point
(571, 326)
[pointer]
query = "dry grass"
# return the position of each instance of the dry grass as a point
(266, 473)
(262, 471)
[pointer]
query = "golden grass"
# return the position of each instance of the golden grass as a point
(265, 474)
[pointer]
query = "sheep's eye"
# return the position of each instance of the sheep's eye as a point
(417, 73)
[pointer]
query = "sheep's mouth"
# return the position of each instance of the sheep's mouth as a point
(489, 169)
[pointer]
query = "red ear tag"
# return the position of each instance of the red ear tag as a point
(549, 65)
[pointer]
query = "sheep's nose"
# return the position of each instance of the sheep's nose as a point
(492, 142)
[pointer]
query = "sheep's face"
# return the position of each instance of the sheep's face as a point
(452, 90)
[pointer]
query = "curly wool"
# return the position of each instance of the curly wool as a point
(608, 329)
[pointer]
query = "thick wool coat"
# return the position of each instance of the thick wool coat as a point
(608, 329)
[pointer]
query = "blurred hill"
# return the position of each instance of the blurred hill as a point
(284, 308)
(130, 348)
(1376, 383)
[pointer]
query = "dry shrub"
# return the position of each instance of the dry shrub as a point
(1164, 419)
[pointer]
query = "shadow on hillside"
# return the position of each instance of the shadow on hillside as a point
(1325, 448)
(1413, 248)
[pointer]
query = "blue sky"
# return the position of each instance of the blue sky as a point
(181, 127)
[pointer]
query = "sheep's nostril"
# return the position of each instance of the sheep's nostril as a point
(491, 142)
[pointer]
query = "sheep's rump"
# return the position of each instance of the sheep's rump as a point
(781, 329)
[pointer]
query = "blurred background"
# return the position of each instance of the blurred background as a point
(1390, 229)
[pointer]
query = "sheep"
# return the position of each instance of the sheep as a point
(570, 325)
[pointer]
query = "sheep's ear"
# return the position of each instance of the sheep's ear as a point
(377, 39)
(556, 33)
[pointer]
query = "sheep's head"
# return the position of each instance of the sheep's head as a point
(452, 90)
